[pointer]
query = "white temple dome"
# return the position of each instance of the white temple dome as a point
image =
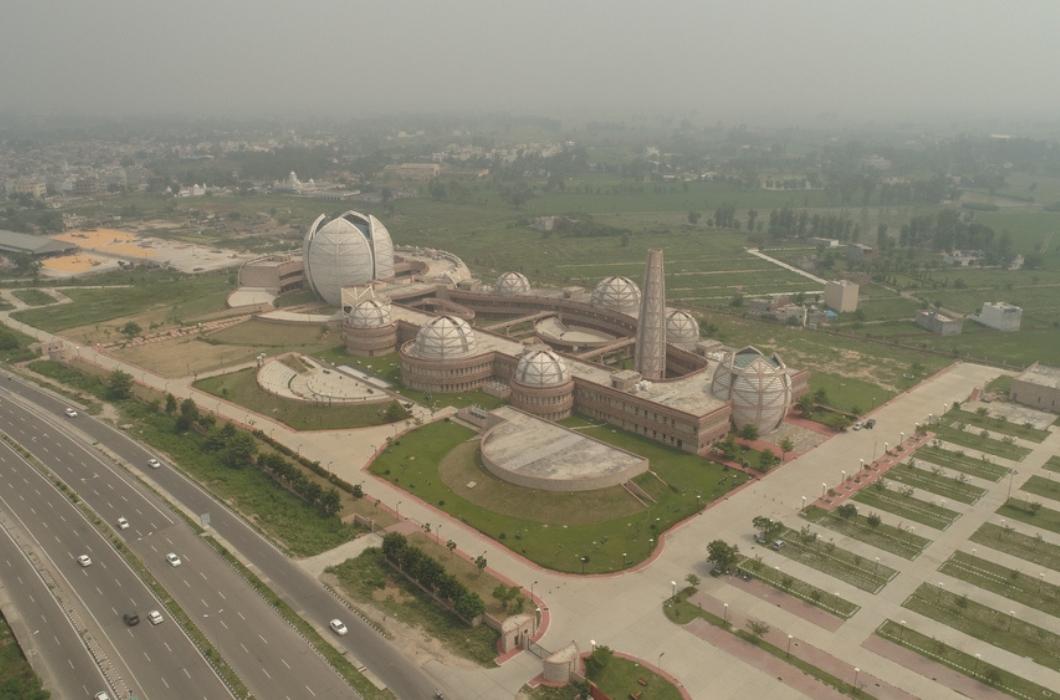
(444, 338)
(617, 293)
(512, 284)
(370, 313)
(758, 387)
(540, 367)
(350, 249)
(682, 328)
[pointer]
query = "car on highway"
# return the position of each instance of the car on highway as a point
(155, 617)
(338, 627)
(123, 524)
(154, 463)
(70, 413)
(173, 559)
(84, 560)
(101, 695)
(131, 619)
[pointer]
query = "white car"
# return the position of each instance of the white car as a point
(154, 463)
(123, 524)
(155, 617)
(70, 413)
(84, 560)
(173, 559)
(338, 627)
(101, 695)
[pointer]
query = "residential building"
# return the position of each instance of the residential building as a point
(1037, 386)
(1000, 315)
(939, 323)
(841, 296)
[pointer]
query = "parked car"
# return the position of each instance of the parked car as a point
(70, 413)
(870, 423)
(338, 627)
(155, 617)
(745, 575)
(101, 695)
(173, 559)
(777, 545)
(123, 524)
(84, 560)
(131, 619)
(154, 463)
(856, 426)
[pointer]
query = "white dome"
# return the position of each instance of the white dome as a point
(347, 250)
(511, 284)
(682, 328)
(758, 387)
(443, 338)
(370, 313)
(541, 367)
(618, 294)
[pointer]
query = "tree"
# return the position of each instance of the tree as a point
(171, 404)
(692, 580)
(357, 491)
(119, 385)
(722, 555)
(480, 563)
(131, 329)
(847, 511)
(395, 412)
(240, 450)
(786, 446)
(598, 660)
(758, 629)
(693, 217)
(873, 520)
(189, 413)
(450, 545)
(330, 503)
(805, 404)
(749, 432)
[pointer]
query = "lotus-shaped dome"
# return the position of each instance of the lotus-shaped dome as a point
(444, 338)
(350, 249)
(618, 294)
(369, 313)
(758, 387)
(540, 367)
(682, 328)
(512, 284)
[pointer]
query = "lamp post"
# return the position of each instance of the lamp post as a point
(856, 672)
(1011, 617)
(725, 613)
(623, 558)
(673, 589)
(1041, 581)
(592, 644)
(537, 618)
(804, 502)
(659, 664)
(532, 584)
(397, 507)
(824, 489)
(901, 631)
(788, 652)
(844, 474)
(978, 662)
(877, 571)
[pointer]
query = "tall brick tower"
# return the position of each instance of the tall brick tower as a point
(650, 353)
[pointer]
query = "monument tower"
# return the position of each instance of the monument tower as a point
(650, 353)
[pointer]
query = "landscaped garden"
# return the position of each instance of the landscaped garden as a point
(1052, 464)
(958, 461)
(18, 681)
(1032, 513)
(1041, 486)
(901, 502)
(590, 532)
(998, 424)
(983, 443)
(1032, 591)
(936, 482)
(807, 592)
(1007, 539)
(870, 530)
(33, 297)
(864, 573)
(623, 678)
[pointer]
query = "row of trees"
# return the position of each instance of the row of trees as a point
(430, 574)
(326, 502)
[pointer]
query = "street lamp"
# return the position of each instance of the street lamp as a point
(592, 644)
(532, 584)
(978, 662)
(901, 632)
(804, 502)
(661, 654)
(856, 672)
(824, 489)
(789, 645)
(398, 507)
(725, 612)
(673, 586)
(844, 473)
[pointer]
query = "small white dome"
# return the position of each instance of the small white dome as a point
(682, 328)
(443, 338)
(512, 284)
(618, 294)
(541, 367)
(370, 313)
(758, 387)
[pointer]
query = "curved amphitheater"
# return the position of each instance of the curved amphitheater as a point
(316, 384)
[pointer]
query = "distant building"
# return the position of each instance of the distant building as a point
(939, 323)
(1000, 316)
(277, 273)
(859, 251)
(37, 246)
(413, 171)
(826, 242)
(963, 258)
(1037, 386)
(841, 296)
(85, 185)
(27, 185)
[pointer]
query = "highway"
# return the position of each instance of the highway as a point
(301, 591)
(71, 672)
(268, 655)
(107, 589)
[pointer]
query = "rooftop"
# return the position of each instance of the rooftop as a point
(13, 242)
(1041, 374)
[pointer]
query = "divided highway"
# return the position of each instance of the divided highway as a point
(114, 495)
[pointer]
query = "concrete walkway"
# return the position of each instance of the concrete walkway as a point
(790, 268)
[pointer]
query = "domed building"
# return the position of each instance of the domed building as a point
(367, 325)
(442, 357)
(682, 329)
(542, 384)
(758, 387)
(618, 294)
(444, 338)
(512, 284)
(350, 249)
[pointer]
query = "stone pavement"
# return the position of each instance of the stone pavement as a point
(315, 565)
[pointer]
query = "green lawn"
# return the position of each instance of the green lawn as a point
(609, 542)
(883, 536)
(849, 393)
(858, 571)
(958, 461)
(937, 483)
(1031, 591)
(1032, 513)
(983, 444)
(1041, 486)
(1032, 548)
(998, 425)
(370, 580)
(620, 678)
(907, 507)
(14, 346)
(18, 681)
(33, 297)
(994, 676)
(1052, 464)
(987, 624)
(296, 297)
(241, 387)
(807, 592)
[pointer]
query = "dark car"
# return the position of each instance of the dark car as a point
(870, 423)
(131, 619)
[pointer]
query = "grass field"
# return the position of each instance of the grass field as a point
(998, 425)
(983, 444)
(967, 664)
(242, 388)
(938, 484)
(987, 624)
(621, 678)
(1034, 549)
(782, 581)
(908, 507)
(882, 536)
(1052, 464)
(33, 297)
(958, 461)
(18, 681)
(14, 346)
(1041, 486)
(843, 564)
(559, 539)
(1031, 591)
(1031, 513)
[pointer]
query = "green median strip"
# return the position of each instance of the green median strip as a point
(907, 506)
(976, 441)
(936, 482)
(1032, 513)
(999, 424)
(871, 531)
(1053, 464)
(961, 662)
(1006, 539)
(958, 461)
(805, 548)
(808, 593)
(1041, 486)
(1032, 591)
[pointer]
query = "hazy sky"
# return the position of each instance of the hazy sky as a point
(775, 61)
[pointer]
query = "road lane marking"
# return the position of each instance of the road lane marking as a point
(263, 639)
(186, 673)
(147, 657)
(241, 616)
(223, 624)
(310, 691)
(201, 574)
(220, 594)
(244, 647)
(185, 581)
(161, 678)
(284, 662)
(166, 645)
(266, 672)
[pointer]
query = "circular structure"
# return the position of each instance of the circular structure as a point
(617, 293)
(350, 249)
(510, 284)
(758, 387)
(540, 367)
(370, 313)
(444, 338)
(368, 329)
(682, 328)
(542, 384)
